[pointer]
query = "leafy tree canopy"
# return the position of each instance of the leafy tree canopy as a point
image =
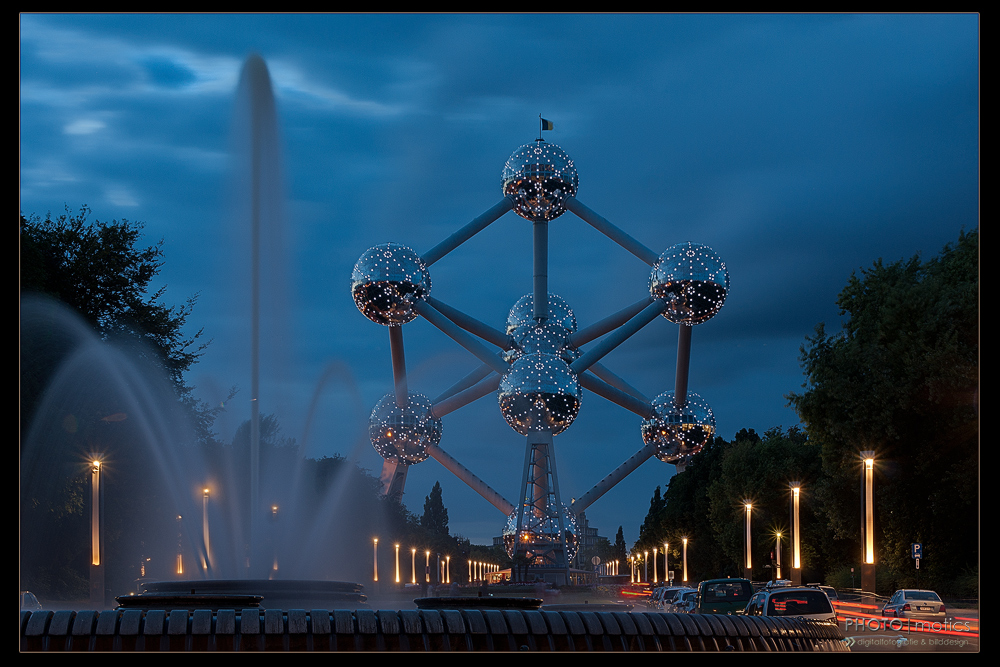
(103, 272)
(902, 379)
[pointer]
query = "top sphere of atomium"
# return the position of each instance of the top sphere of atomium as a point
(676, 431)
(386, 282)
(693, 280)
(402, 435)
(538, 176)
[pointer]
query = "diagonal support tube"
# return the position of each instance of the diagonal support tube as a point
(602, 388)
(456, 333)
(473, 482)
(472, 325)
(609, 323)
(463, 398)
(647, 315)
(466, 382)
(615, 476)
(617, 235)
(602, 371)
(465, 233)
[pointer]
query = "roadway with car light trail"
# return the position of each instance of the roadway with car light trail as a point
(866, 631)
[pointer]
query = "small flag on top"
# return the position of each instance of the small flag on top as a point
(546, 124)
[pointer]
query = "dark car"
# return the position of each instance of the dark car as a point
(723, 596)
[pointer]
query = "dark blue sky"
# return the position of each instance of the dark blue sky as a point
(801, 148)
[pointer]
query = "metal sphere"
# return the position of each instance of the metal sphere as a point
(530, 336)
(678, 432)
(401, 435)
(693, 280)
(538, 176)
(539, 393)
(542, 532)
(386, 281)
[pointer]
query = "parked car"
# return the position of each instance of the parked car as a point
(909, 603)
(810, 603)
(684, 603)
(723, 596)
(830, 591)
(663, 595)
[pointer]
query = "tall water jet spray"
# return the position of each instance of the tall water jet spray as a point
(265, 206)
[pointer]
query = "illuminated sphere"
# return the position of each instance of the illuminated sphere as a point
(678, 432)
(386, 282)
(542, 532)
(401, 435)
(539, 393)
(530, 336)
(538, 176)
(693, 280)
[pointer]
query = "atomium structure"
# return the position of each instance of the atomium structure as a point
(540, 363)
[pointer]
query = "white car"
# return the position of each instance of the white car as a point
(809, 603)
(917, 604)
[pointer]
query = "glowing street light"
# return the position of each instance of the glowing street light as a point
(413, 564)
(447, 562)
(655, 580)
(180, 545)
(666, 562)
(95, 512)
(427, 565)
(868, 521)
(375, 559)
(748, 564)
(795, 487)
(204, 528)
(645, 566)
(777, 553)
(685, 560)
(397, 563)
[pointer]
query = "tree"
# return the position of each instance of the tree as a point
(620, 548)
(102, 271)
(435, 517)
(901, 379)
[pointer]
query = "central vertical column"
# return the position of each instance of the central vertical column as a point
(541, 529)
(541, 270)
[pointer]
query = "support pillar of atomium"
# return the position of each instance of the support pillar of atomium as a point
(540, 508)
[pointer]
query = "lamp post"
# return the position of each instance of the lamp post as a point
(180, 545)
(375, 558)
(397, 563)
(645, 566)
(96, 567)
(413, 564)
(747, 560)
(868, 521)
(427, 565)
(655, 579)
(796, 487)
(207, 563)
(447, 566)
(666, 563)
(777, 555)
(685, 560)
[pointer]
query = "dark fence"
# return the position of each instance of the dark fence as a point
(416, 630)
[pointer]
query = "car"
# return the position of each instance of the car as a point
(723, 596)
(795, 602)
(684, 602)
(830, 591)
(663, 595)
(913, 603)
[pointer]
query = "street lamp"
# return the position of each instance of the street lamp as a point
(397, 563)
(447, 564)
(868, 521)
(645, 566)
(655, 579)
(796, 539)
(427, 565)
(748, 563)
(375, 558)
(685, 560)
(204, 528)
(666, 563)
(95, 512)
(777, 553)
(413, 564)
